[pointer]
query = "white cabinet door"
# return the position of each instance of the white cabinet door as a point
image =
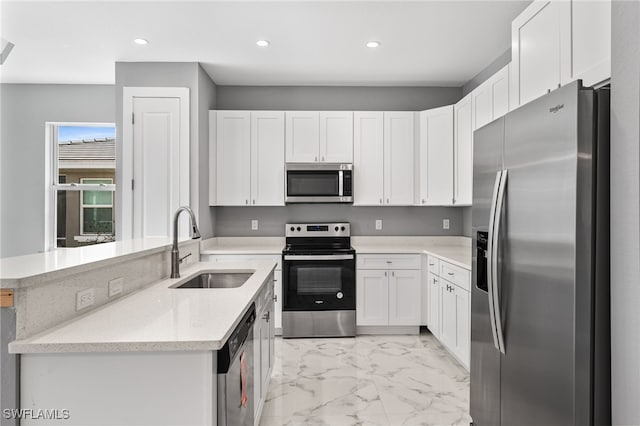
(336, 136)
(372, 297)
(590, 36)
(481, 105)
(537, 48)
(267, 158)
(398, 158)
(435, 151)
(277, 308)
(463, 325)
(463, 152)
(448, 324)
(302, 136)
(368, 158)
(499, 85)
(434, 304)
(404, 297)
(233, 165)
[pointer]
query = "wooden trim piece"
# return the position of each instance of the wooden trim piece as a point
(6, 298)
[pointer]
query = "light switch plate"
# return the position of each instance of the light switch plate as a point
(254, 225)
(378, 224)
(116, 286)
(445, 223)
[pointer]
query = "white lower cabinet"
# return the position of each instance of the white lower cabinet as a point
(449, 307)
(388, 297)
(263, 349)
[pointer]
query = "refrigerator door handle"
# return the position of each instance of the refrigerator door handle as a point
(492, 220)
(494, 262)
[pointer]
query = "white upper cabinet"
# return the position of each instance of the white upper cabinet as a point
(336, 137)
(435, 157)
(314, 136)
(368, 158)
(398, 158)
(233, 158)
(590, 37)
(559, 41)
(249, 158)
(302, 136)
(490, 100)
(463, 152)
(267, 158)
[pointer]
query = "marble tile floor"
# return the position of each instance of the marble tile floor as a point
(367, 380)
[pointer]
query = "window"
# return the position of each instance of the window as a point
(81, 184)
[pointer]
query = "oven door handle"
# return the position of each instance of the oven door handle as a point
(319, 257)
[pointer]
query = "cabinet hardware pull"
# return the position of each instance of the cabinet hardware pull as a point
(387, 201)
(246, 201)
(388, 261)
(432, 264)
(275, 297)
(450, 273)
(380, 200)
(423, 201)
(254, 201)
(385, 273)
(315, 159)
(393, 274)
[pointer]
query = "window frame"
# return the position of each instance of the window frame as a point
(52, 187)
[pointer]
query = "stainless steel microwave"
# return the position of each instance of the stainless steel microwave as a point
(319, 183)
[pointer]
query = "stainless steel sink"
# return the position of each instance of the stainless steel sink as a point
(217, 280)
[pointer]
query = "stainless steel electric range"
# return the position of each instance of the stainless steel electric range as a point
(319, 281)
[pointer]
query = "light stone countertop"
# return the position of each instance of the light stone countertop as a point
(16, 271)
(158, 318)
(456, 250)
(242, 245)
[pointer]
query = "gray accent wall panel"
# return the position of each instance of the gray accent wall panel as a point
(416, 221)
(490, 70)
(340, 98)
(625, 213)
(25, 110)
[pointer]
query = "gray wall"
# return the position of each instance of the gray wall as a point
(345, 98)
(172, 74)
(495, 66)
(625, 212)
(25, 110)
(236, 221)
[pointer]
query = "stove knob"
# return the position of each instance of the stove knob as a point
(298, 228)
(293, 229)
(343, 228)
(339, 295)
(337, 229)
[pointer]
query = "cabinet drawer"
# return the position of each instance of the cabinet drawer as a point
(242, 258)
(433, 265)
(388, 261)
(455, 274)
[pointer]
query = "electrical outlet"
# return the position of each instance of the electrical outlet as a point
(445, 223)
(254, 225)
(378, 224)
(85, 298)
(115, 286)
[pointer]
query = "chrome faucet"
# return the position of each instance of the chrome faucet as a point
(195, 234)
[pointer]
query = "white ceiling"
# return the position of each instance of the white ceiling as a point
(442, 43)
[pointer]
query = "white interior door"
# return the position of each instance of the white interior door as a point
(156, 160)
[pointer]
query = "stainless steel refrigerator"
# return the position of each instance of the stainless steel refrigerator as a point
(540, 297)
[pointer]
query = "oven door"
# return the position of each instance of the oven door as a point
(319, 282)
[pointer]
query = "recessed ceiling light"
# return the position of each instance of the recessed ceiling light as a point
(263, 43)
(140, 41)
(372, 44)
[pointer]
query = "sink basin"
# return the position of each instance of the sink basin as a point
(217, 280)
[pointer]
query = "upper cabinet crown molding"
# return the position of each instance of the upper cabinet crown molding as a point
(559, 41)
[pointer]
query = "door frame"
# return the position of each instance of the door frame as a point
(128, 95)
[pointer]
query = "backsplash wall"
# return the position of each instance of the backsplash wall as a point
(416, 221)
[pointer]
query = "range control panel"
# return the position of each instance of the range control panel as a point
(317, 230)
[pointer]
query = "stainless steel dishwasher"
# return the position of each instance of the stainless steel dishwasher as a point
(235, 375)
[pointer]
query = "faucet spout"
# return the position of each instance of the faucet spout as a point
(195, 234)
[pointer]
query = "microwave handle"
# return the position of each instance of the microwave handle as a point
(340, 183)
